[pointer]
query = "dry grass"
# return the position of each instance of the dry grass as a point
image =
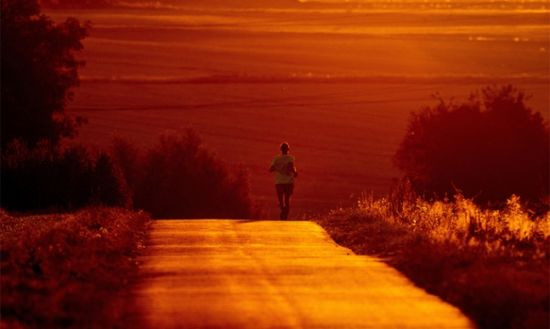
(491, 264)
(65, 270)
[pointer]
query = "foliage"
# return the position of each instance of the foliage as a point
(488, 148)
(38, 69)
(490, 263)
(128, 159)
(180, 178)
(64, 270)
(50, 178)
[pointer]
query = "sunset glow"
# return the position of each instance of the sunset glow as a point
(285, 164)
(338, 76)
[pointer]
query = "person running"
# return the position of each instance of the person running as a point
(285, 173)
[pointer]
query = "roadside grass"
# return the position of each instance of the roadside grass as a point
(492, 264)
(65, 270)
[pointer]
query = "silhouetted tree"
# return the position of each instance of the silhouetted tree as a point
(489, 147)
(38, 69)
(109, 186)
(128, 159)
(47, 177)
(179, 178)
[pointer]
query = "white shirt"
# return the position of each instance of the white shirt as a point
(284, 169)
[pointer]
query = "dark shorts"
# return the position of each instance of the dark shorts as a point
(284, 188)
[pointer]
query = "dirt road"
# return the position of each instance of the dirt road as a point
(273, 274)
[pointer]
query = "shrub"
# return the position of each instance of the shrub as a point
(127, 157)
(180, 178)
(488, 148)
(65, 270)
(50, 178)
(492, 264)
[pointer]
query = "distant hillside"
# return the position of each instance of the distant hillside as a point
(213, 3)
(77, 3)
(168, 3)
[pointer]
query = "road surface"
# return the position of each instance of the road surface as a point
(273, 274)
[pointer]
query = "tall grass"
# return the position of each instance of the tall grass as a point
(65, 270)
(510, 232)
(493, 264)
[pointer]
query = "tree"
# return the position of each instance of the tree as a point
(487, 148)
(180, 178)
(109, 187)
(50, 177)
(38, 69)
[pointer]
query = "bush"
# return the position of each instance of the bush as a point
(492, 264)
(180, 178)
(52, 179)
(65, 270)
(488, 148)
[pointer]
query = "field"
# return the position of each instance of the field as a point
(337, 85)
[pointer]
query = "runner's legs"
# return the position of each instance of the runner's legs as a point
(284, 192)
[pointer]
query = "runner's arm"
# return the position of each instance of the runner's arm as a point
(293, 169)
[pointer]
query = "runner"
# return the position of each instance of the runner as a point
(285, 173)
